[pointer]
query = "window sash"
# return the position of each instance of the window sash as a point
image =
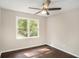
(28, 27)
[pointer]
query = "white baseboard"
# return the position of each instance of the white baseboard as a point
(19, 48)
(64, 51)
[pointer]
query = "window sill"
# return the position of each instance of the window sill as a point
(27, 37)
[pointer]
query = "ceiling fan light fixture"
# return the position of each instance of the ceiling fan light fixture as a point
(43, 12)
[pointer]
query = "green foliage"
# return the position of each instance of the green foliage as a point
(33, 28)
(22, 27)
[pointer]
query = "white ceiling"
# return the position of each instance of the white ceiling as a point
(22, 5)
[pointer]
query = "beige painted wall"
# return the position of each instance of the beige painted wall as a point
(0, 32)
(63, 31)
(0, 29)
(9, 31)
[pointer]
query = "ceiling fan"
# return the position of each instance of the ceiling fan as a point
(45, 8)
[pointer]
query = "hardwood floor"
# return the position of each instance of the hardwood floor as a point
(43, 51)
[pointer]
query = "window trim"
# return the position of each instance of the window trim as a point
(17, 18)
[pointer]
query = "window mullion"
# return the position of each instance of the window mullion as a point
(28, 29)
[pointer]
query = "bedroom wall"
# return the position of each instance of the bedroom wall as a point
(0, 31)
(63, 31)
(9, 31)
(0, 26)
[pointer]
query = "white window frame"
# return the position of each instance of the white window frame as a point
(17, 18)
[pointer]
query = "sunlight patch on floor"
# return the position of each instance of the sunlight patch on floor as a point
(37, 52)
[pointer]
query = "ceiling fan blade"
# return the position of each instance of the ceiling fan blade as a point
(38, 12)
(34, 8)
(54, 9)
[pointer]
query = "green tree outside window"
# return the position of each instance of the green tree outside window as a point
(22, 27)
(33, 28)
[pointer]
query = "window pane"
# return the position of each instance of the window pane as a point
(33, 28)
(22, 28)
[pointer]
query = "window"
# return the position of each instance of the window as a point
(27, 28)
